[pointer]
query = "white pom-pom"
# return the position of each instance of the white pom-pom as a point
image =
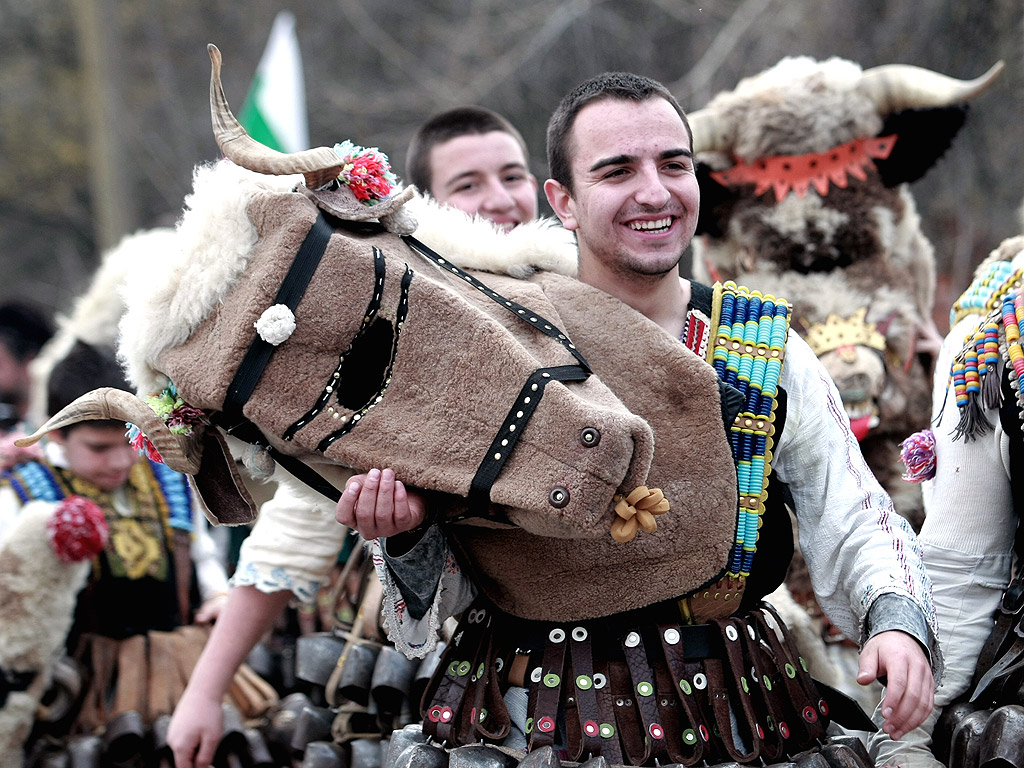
(276, 324)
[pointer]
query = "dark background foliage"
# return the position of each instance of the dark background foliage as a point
(104, 111)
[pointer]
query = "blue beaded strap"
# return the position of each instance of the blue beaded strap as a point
(35, 482)
(176, 492)
(748, 352)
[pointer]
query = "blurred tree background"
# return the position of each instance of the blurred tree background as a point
(123, 86)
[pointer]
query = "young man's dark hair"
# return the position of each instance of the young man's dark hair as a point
(610, 85)
(83, 369)
(446, 126)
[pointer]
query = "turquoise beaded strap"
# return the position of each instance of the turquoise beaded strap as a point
(748, 353)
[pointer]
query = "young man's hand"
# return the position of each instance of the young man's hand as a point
(376, 504)
(909, 686)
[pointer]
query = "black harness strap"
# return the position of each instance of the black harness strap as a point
(290, 294)
(523, 313)
(511, 430)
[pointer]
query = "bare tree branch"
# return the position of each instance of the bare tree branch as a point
(694, 85)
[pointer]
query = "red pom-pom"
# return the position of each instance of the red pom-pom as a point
(78, 529)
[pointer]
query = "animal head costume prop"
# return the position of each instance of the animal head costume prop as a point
(803, 184)
(297, 313)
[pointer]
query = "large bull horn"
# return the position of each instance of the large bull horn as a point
(893, 87)
(319, 166)
(711, 131)
(179, 452)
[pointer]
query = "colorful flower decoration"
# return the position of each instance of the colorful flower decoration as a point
(77, 530)
(917, 452)
(367, 172)
(180, 418)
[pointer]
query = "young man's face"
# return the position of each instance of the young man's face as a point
(486, 175)
(635, 198)
(99, 455)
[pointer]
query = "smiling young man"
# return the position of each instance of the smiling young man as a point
(620, 158)
(475, 160)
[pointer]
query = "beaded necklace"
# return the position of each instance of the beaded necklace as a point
(748, 352)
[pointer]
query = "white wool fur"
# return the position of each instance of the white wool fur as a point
(215, 239)
(799, 105)
(37, 598)
(95, 314)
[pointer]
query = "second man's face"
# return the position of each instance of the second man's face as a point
(486, 175)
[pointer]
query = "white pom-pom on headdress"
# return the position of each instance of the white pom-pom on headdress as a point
(276, 324)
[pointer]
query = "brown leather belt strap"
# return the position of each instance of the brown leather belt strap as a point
(690, 738)
(446, 691)
(734, 639)
(627, 718)
(582, 720)
(803, 723)
(546, 683)
(643, 687)
(611, 746)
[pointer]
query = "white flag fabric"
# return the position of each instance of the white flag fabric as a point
(274, 111)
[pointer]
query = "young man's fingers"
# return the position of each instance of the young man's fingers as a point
(366, 505)
(345, 509)
(384, 512)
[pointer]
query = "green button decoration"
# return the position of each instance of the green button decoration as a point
(803, 663)
(790, 670)
(606, 730)
(767, 682)
(529, 725)
(480, 671)
(685, 687)
(644, 688)
(464, 668)
(551, 680)
(743, 684)
(453, 668)
(689, 736)
(584, 683)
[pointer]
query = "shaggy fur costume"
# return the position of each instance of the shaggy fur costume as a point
(37, 603)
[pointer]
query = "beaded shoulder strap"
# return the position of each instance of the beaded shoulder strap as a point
(994, 343)
(35, 481)
(749, 348)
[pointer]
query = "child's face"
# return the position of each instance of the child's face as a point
(99, 455)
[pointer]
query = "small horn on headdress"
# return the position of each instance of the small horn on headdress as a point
(711, 132)
(893, 87)
(179, 452)
(319, 166)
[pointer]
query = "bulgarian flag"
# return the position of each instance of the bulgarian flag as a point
(274, 111)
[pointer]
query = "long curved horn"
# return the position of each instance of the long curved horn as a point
(893, 87)
(180, 453)
(711, 132)
(319, 165)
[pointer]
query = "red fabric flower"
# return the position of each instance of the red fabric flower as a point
(77, 530)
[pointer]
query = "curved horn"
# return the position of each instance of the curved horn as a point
(893, 87)
(711, 132)
(319, 166)
(180, 453)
